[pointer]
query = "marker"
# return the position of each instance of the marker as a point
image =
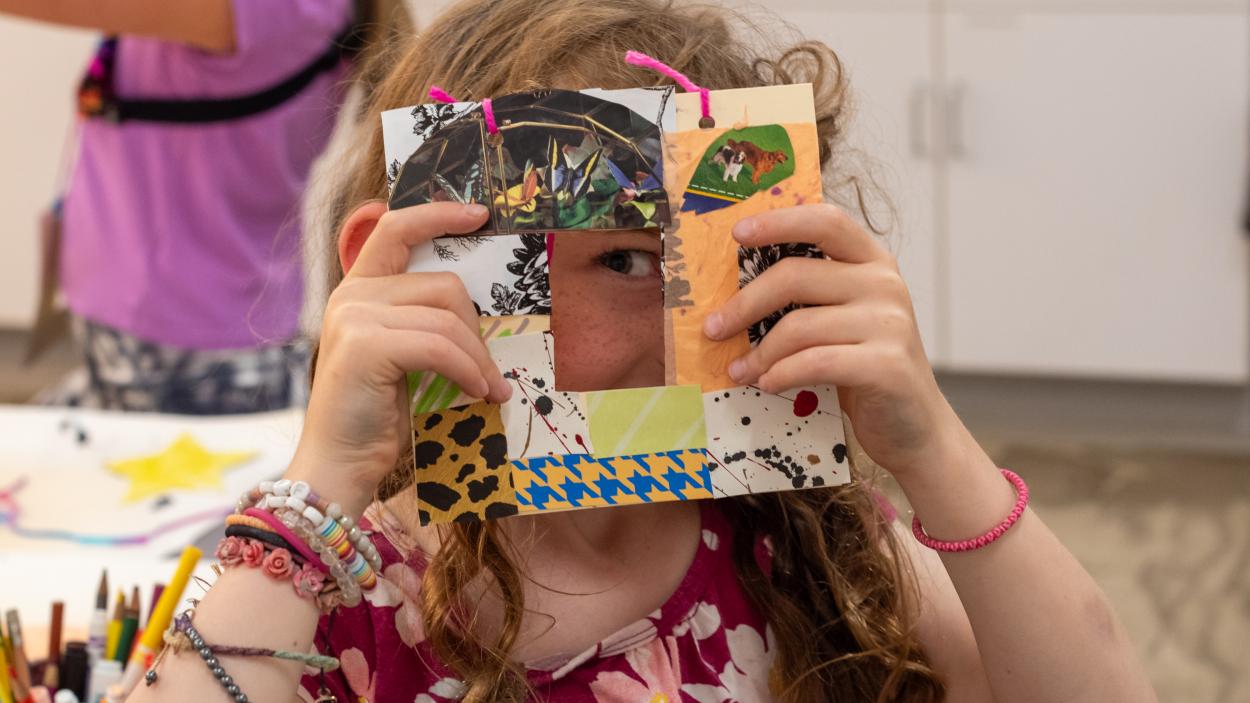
(115, 626)
(162, 614)
(97, 631)
(52, 671)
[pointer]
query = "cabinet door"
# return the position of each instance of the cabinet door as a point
(887, 57)
(1098, 179)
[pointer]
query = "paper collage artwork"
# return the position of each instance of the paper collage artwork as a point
(611, 160)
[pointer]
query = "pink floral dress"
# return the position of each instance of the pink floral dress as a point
(706, 643)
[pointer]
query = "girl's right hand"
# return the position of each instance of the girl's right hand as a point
(381, 323)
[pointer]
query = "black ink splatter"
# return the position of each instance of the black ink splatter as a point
(543, 405)
(746, 420)
(839, 453)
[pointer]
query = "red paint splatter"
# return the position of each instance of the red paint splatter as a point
(805, 403)
(581, 443)
(776, 190)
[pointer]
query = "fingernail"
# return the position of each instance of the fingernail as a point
(475, 210)
(714, 325)
(745, 230)
(738, 370)
(483, 389)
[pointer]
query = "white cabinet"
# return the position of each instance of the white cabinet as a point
(1071, 177)
(890, 135)
(1097, 175)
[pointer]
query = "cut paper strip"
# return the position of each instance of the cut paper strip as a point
(462, 471)
(762, 442)
(538, 420)
(703, 266)
(184, 465)
(552, 484)
(504, 275)
(430, 391)
(558, 160)
(646, 420)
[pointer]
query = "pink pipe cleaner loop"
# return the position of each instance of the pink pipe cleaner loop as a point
(489, 113)
(637, 58)
(440, 95)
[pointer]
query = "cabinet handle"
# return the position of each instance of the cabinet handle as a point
(956, 96)
(918, 126)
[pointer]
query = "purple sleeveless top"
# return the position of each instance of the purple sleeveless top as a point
(707, 643)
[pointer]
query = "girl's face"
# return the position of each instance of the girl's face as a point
(607, 310)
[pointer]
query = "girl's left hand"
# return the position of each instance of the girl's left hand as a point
(859, 334)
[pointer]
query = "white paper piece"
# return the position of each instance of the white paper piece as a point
(504, 274)
(762, 442)
(538, 419)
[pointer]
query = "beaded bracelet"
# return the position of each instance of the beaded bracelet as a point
(349, 589)
(182, 635)
(1022, 501)
(274, 524)
(300, 497)
(278, 563)
(210, 660)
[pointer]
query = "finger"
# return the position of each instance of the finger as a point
(827, 226)
(842, 365)
(799, 330)
(436, 290)
(449, 325)
(418, 350)
(794, 280)
(387, 250)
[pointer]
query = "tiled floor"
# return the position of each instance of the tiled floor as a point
(1166, 533)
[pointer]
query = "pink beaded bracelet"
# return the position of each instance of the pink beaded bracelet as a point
(967, 545)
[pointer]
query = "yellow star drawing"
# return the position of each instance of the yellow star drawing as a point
(183, 465)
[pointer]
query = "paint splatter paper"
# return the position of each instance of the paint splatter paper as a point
(766, 442)
(539, 420)
(612, 160)
(430, 392)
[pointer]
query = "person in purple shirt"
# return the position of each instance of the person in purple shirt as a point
(180, 232)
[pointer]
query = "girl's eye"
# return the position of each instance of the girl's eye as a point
(630, 262)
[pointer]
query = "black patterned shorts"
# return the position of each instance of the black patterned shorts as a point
(123, 372)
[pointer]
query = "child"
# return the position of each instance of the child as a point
(199, 123)
(812, 595)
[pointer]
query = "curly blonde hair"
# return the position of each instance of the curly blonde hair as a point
(839, 598)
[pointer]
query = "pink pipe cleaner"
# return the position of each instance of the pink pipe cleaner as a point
(637, 58)
(489, 113)
(440, 95)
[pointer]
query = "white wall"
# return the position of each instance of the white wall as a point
(42, 66)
